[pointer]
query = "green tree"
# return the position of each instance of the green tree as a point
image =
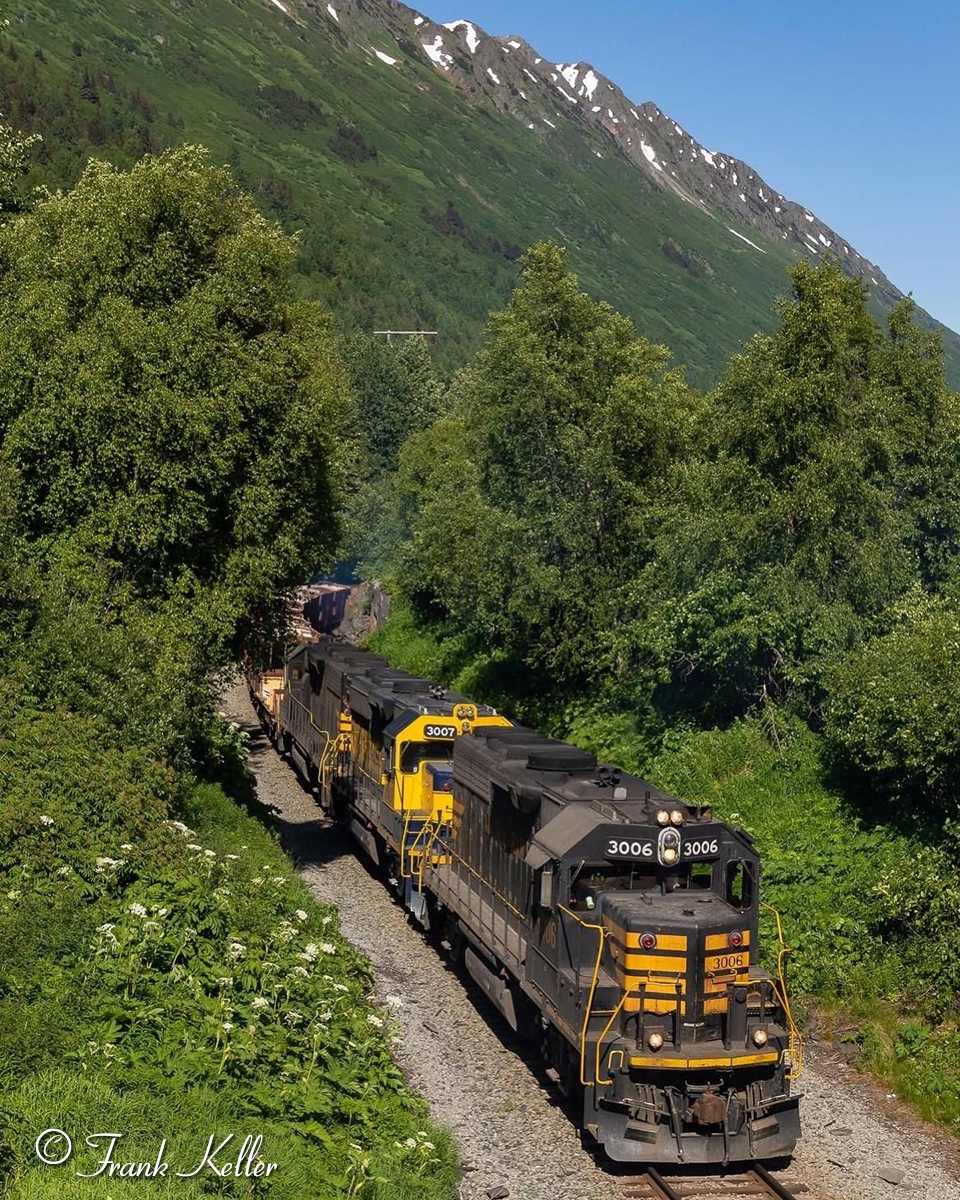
(15, 150)
(398, 392)
(823, 483)
(894, 709)
(531, 501)
(166, 409)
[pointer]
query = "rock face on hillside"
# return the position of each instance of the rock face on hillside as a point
(560, 99)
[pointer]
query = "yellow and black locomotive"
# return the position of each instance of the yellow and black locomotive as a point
(613, 923)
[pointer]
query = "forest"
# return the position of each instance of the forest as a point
(749, 594)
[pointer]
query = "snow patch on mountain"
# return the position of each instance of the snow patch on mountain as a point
(437, 54)
(392, 62)
(746, 239)
(472, 37)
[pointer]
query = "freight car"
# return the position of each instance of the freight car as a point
(609, 921)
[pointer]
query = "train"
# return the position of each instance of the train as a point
(612, 923)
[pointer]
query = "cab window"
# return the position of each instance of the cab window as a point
(414, 753)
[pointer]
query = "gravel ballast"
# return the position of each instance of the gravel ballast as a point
(515, 1137)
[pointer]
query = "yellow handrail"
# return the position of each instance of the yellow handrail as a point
(593, 987)
(606, 1030)
(796, 1041)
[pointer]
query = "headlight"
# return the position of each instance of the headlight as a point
(669, 854)
(648, 941)
(663, 817)
(759, 1037)
(655, 1041)
(676, 817)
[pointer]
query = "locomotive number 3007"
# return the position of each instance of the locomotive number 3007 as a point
(441, 731)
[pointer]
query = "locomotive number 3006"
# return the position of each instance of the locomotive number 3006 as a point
(618, 849)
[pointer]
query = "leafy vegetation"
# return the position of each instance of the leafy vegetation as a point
(173, 450)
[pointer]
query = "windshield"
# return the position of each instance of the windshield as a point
(414, 753)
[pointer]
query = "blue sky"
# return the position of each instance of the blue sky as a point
(847, 107)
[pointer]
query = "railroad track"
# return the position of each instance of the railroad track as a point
(755, 1184)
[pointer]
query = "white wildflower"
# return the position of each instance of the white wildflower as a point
(105, 864)
(292, 1017)
(127, 847)
(160, 912)
(394, 1001)
(259, 1002)
(310, 952)
(106, 928)
(236, 950)
(301, 971)
(180, 828)
(410, 1143)
(340, 987)
(45, 820)
(138, 910)
(373, 1019)
(429, 1146)
(324, 1016)
(233, 857)
(326, 920)
(300, 915)
(328, 947)
(194, 846)
(14, 894)
(257, 879)
(224, 981)
(65, 870)
(227, 1026)
(210, 853)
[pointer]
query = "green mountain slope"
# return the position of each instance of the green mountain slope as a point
(414, 197)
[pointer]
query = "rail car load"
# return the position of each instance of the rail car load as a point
(602, 917)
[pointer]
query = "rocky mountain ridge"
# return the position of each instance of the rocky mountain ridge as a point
(551, 99)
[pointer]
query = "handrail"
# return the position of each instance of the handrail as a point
(427, 852)
(323, 732)
(606, 1030)
(593, 987)
(796, 1041)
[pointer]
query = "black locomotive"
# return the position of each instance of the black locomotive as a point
(613, 923)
